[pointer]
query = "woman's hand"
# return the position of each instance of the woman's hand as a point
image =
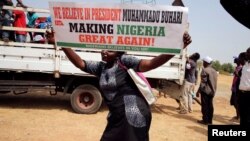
(186, 39)
(147, 65)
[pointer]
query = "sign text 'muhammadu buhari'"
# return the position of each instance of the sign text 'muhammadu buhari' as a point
(128, 27)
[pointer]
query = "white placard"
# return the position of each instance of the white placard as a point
(125, 27)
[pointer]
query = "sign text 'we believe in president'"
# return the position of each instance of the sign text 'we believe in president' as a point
(119, 27)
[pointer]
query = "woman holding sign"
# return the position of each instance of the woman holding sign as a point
(129, 118)
(129, 115)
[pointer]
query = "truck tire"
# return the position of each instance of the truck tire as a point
(86, 99)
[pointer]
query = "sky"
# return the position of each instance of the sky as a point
(214, 32)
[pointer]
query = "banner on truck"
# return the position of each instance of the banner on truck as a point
(124, 27)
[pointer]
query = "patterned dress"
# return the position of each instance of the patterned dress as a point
(129, 116)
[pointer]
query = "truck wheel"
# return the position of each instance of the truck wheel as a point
(86, 99)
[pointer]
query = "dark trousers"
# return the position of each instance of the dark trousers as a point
(244, 107)
(234, 100)
(207, 108)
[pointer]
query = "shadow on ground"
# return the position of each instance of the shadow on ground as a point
(29, 101)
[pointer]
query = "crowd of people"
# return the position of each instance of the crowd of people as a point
(19, 19)
(207, 88)
(241, 89)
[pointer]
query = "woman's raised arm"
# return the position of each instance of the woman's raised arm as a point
(74, 58)
(71, 54)
(147, 65)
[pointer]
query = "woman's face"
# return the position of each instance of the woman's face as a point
(109, 56)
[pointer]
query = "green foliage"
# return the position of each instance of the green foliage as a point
(216, 65)
(226, 68)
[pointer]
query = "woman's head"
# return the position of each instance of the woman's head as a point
(111, 56)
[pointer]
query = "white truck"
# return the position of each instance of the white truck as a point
(30, 66)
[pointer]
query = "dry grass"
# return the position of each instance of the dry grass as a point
(224, 86)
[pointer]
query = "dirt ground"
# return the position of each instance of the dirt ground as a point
(41, 117)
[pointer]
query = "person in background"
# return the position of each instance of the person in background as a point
(244, 92)
(42, 23)
(32, 17)
(21, 4)
(241, 61)
(239, 10)
(20, 21)
(47, 24)
(207, 89)
(189, 83)
(6, 19)
(234, 97)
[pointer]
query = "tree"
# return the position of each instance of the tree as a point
(227, 67)
(216, 65)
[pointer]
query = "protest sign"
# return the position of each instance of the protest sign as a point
(124, 27)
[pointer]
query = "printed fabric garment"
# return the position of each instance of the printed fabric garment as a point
(129, 116)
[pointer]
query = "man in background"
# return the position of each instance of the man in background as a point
(20, 21)
(5, 19)
(189, 83)
(207, 91)
(244, 92)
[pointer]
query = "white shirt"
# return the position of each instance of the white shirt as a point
(245, 78)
